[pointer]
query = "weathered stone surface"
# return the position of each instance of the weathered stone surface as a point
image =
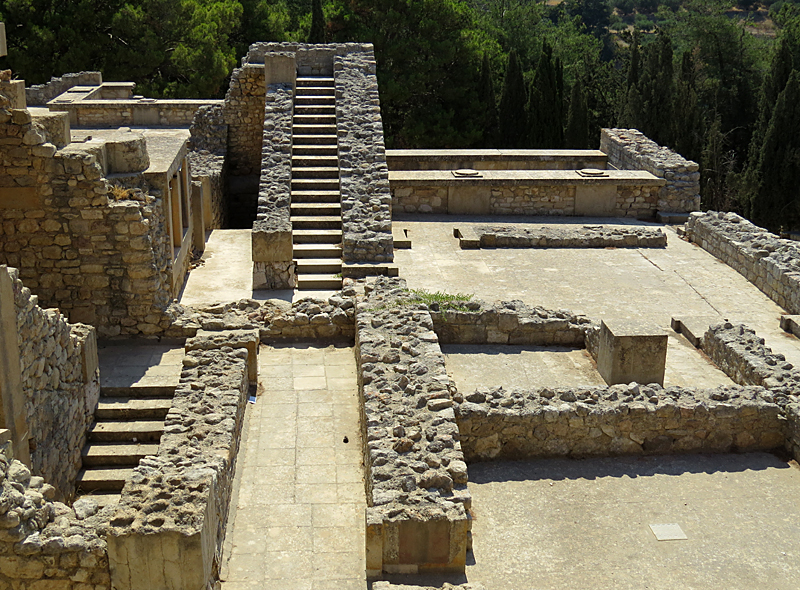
(587, 236)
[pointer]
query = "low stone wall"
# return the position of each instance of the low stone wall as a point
(173, 509)
(41, 94)
(60, 384)
(630, 149)
(127, 113)
(618, 420)
(363, 174)
(389, 586)
(310, 60)
(770, 263)
(415, 471)
(568, 237)
(508, 322)
(272, 232)
(492, 159)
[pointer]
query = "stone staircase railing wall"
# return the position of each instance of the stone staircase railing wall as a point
(630, 149)
(273, 265)
(772, 264)
(60, 386)
(100, 261)
(41, 94)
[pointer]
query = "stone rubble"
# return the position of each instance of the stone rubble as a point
(41, 94)
(587, 236)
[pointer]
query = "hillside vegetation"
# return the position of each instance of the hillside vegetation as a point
(713, 79)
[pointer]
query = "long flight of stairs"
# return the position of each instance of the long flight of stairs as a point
(316, 202)
(129, 422)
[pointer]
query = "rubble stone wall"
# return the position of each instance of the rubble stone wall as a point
(61, 385)
(173, 509)
(41, 94)
(100, 261)
(772, 264)
(363, 173)
(208, 147)
(630, 149)
(244, 115)
(569, 237)
(618, 420)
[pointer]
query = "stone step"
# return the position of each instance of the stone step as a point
(133, 431)
(327, 140)
(314, 109)
(97, 454)
(319, 266)
(122, 408)
(314, 81)
(315, 161)
(103, 498)
(90, 480)
(316, 222)
(319, 281)
(138, 392)
(316, 209)
(315, 100)
(302, 129)
(315, 184)
(316, 151)
(315, 119)
(317, 236)
(301, 196)
(315, 91)
(318, 251)
(322, 172)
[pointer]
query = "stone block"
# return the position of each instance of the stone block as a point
(630, 351)
(595, 200)
(272, 245)
(469, 200)
(14, 91)
(791, 324)
(127, 152)
(20, 198)
(694, 327)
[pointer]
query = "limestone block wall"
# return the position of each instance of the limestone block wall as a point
(618, 420)
(244, 114)
(310, 60)
(630, 149)
(415, 471)
(100, 261)
(208, 147)
(61, 386)
(45, 544)
(363, 173)
(41, 94)
(494, 159)
(770, 263)
(273, 265)
(126, 113)
(173, 509)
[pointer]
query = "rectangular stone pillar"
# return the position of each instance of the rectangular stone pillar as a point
(198, 217)
(631, 351)
(12, 399)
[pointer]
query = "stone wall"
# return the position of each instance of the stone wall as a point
(415, 471)
(244, 115)
(770, 263)
(208, 147)
(61, 385)
(128, 113)
(594, 236)
(310, 60)
(630, 149)
(100, 261)
(494, 159)
(272, 231)
(45, 544)
(41, 94)
(618, 420)
(173, 509)
(363, 174)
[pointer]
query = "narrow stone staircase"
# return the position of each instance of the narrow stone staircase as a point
(316, 202)
(129, 422)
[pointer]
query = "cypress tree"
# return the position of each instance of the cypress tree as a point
(576, 135)
(317, 32)
(488, 105)
(776, 202)
(545, 103)
(512, 120)
(656, 87)
(688, 131)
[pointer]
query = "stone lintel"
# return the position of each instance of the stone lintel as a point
(631, 351)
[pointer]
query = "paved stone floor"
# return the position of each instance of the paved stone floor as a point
(560, 524)
(298, 512)
(646, 284)
(150, 364)
(473, 366)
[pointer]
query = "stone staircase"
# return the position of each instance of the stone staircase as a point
(129, 422)
(316, 203)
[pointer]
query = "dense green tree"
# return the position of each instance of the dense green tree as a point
(716, 169)
(545, 103)
(317, 33)
(512, 117)
(777, 202)
(487, 100)
(576, 134)
(595, 14)
(688, 125)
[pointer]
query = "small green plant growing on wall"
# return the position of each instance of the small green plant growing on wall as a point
(440, 301)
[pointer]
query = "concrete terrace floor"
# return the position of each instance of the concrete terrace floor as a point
(652, 284)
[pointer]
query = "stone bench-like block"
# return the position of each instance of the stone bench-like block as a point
(630, 351)
(694, 327)
(791, 324)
